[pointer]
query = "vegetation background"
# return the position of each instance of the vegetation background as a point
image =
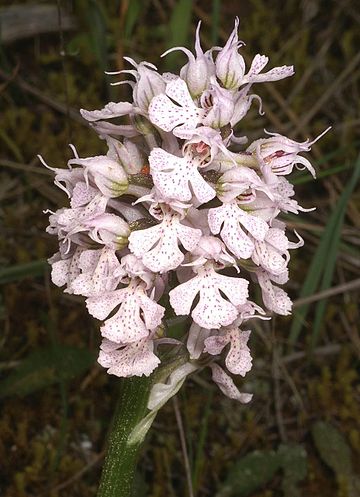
(301, 434)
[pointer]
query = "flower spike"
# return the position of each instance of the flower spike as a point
(178, 216)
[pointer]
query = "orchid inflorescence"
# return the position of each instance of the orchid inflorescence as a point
(176, 213)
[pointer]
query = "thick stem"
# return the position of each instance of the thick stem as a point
(120, 463)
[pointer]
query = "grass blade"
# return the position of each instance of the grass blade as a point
(306, 177)
(132, 15)
(324, 257)
(334, 248)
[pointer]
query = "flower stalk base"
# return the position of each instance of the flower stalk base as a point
(120, 463)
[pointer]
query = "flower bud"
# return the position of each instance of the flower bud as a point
(109, 229)
(148, 83)
(127, 153)
(197, 72)
(107, 174)
(230, 65)
(280, 154)
(238, 181)
(220, 103)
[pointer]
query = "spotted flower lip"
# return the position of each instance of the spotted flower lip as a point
(100, 272)
(182, 212)
(134, 359)
(212, 311)
(158, 246)
(179, 177)
(238, 359)
(179, 116)
(230, 220)
(136, 316)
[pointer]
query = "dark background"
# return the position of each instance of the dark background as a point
(56, 402)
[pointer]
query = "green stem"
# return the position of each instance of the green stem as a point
(120, 463)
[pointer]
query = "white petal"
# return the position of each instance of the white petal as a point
(182, 296)
(166, 255)
(126, 326)
(196, 340)
(275, 298)
(189, 237)
(227, 386)
(238, 360)
(101, 305)
(172, 175)
(277, 238)
(110, 110)
(153, 312)
(141, 241)
(236, 289)
(212, 310)
(59, 272)
(233, 236)
(167, 115)
(177, 90)
(214, 345)
(269, 258)
(255, 225)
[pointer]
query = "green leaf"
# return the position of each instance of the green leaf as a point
(333, 448)
(21, 271)
(250, 474)
(45, 367)
(179, 28)
(294, 465)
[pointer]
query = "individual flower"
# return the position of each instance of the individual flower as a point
(238, 358)
(179, 116)
(179, 177)
(238, 181)
(230, 220)
(212, 310)
(269, 206)
(279, 155)
(158, 246)
(272, 254)
(136, 316)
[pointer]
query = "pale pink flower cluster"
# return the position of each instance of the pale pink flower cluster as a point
(180, 216)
